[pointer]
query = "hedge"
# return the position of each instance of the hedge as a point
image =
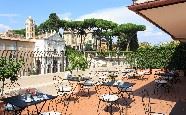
(170, 55)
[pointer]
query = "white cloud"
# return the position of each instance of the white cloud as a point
(8, 15)
(65, 16)
(124, 15)
(4, 28)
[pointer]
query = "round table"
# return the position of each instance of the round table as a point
(109, 98)
(162, 83)
(51, 113)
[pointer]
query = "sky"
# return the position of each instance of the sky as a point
(13, 14)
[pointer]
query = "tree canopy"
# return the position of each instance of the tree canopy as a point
(126, 34)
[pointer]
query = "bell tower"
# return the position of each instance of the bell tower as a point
(30, 28)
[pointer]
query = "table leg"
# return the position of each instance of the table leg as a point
(38, 112)
(111, 108)
(89, 92)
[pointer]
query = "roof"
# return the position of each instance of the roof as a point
(17, 39)
(53, 36)
(153, 4)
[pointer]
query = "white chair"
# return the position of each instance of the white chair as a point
(67, 74)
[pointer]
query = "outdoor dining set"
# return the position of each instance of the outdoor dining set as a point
(24, 98)
(71, 87)
(106, 79)
(165, 80)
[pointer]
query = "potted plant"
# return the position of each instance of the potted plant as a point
(9, 68)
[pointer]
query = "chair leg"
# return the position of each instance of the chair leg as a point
(99, 105)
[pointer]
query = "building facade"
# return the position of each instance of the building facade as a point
(78, 42)
(42, 54)
(50, 54)
(30, 28)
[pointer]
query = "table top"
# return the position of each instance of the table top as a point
(162, 81)
(126, 85)
(88, 83)
(179, 108)
(141, 72)
(19, 100)
(165, 74)
(51, 113)
(119, 84)
(109, 97)
(167, 77)
(112, 83)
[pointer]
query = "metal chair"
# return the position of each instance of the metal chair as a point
(146, 101)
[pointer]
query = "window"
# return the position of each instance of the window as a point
(11, 47)
(2, 46)
(77, 47)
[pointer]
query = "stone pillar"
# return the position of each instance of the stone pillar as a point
(62, 61)
(58, 66)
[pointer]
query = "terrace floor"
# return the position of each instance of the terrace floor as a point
(161, 102)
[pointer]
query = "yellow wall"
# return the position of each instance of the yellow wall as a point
(16, 45)
(24, 50)
(104, 46)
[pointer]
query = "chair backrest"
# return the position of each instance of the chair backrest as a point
(67, 74)
(13, 93)
(22, 91)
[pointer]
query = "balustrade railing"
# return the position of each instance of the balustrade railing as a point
(37, 62)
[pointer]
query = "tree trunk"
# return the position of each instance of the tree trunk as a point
(128, 44)
(110, 44)
(107, 46)
(81, 43)
(100, 45)
(96, 44)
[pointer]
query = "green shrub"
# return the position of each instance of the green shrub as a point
(170, 55)
(9, 68)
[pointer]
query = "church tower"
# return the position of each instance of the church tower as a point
(30, 28)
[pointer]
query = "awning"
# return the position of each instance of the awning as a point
(168, 15)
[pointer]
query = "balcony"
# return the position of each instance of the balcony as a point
(141, 1)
